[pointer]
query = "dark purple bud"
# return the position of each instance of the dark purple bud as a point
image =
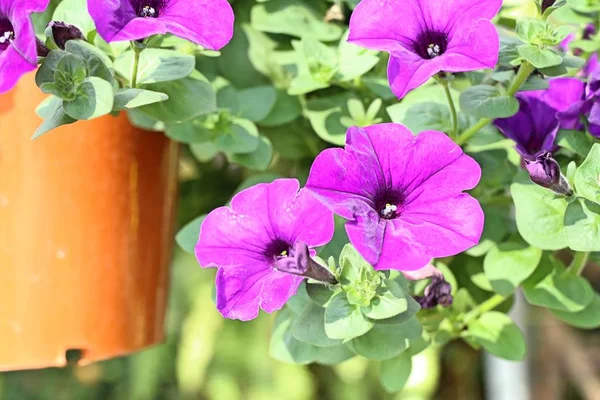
(588, 32)
(42, 50)
(439, 292)
(545, 171)
(62, 33)
(298, 262)
(546, 4)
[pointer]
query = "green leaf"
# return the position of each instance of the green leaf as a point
(483, 101)
(94, 98)
(325, 116)
(428, 116)
(255, 103)
(284, 347)
(354, 61)
(309, 327)
(553, 287)
(72, 68)
(74, 12)
(188, 99)
(538, 57)
(192, 131)
(539, 216)
(45, 72)
(587, 177)
(286, 109)
(188, 236)
(390, 300)
(588, 318)
(96, 62)
(156, 65)
(499, 335)
(394, 373)
(344, 320)
(509, 264)
(204, 151)
(293, 17)
(320, 294)
(259, 159)
(386, 341)
(582, 225)
(54, 116)
(240, 137)
(134, 98)
(579, 142)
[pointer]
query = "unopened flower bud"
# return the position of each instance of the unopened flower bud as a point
(546, 4)
(61, 33)
(545, 171)
(439, 292)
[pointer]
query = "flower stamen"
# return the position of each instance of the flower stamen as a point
(389, 211)
(148, 12)
(433, 50)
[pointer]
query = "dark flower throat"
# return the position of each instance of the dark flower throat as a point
(7, 33)
(389, 204)
(431, 44)
(148, 8)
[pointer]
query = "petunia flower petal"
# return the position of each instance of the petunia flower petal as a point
(243, 290)
(473, 47)
(446, 226)
(408, 71)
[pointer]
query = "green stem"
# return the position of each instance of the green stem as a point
(136, 65)
(579, 262)
(446, 87)
(484, 307)
(524, 72)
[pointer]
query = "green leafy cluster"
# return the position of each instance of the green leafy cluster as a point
(370, 314)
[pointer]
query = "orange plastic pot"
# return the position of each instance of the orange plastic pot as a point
(86, 229)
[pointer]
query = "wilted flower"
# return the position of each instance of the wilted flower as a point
(535, 126)
(425, 37)
(402, 194)
(257, 245)
(438, 292)
(62, 33)
(18, 47)
(545, 171)
(208, 23)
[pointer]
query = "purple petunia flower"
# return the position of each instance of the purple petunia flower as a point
(402, 194)
(425, 37)
(535, 126)
(18, 47)
(587, 104)
(254, 241)
(208, 23)
(592, 62)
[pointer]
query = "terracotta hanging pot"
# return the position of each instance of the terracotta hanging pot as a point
(86, 229)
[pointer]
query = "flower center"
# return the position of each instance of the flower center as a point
(148, 11)
(148, 8)
(389, 204)
(431, 44)
(7, 34)
(277, 249)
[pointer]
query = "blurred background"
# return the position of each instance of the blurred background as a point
(207, 357)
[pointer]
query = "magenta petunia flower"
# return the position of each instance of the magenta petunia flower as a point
(425, 37)
(254, 241)
(208, 23)
(535, 126)
(18, 47)
(402, 194)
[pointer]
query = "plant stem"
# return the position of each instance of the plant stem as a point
(136, 64)
(446, 87)
(484, 307)
(524, 72)
(579, 262)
